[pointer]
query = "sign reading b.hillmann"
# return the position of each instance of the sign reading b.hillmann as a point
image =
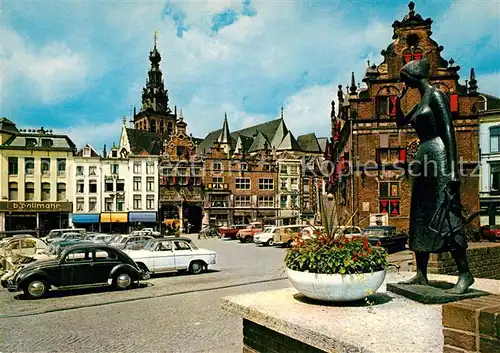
(34, 206)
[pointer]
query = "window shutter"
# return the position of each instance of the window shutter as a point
(392, 106)
(342, 163)
(407, 58)
(417, 56)
(454, 103)
(402, 155)
(384, 206)
(377, 155)
(394, 207)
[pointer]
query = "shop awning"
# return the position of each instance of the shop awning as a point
(85, 218)
(142, 217)
(116, 217)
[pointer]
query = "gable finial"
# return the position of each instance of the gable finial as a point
(472, 82)
(411, 7)
(353, 89)
(281, 112)
(155, 38)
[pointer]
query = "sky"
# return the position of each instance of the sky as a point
(78, 67)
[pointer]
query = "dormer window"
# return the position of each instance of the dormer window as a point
(47, 143)
(86, 152)
(30, 142)
(482, 104)
(114, 154)
(244, 166)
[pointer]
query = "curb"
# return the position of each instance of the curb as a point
(141, 298)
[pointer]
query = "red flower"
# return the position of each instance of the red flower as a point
(365, 243)
(355, 258)
(369, 251)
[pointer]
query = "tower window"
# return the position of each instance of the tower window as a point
(170, 128)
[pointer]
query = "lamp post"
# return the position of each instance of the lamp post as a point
(112, 196)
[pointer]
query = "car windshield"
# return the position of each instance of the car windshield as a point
(124, 239)
(150, 245)
(54, 234)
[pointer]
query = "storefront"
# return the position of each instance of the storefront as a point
(43, 216)
(114, 222)
(89, 221)
(139, 220)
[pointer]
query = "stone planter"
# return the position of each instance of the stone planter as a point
(336, 287)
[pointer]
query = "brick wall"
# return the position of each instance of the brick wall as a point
(260, 339)
(472, 325)
(484, 261)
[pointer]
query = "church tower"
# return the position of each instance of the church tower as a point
(155, 114)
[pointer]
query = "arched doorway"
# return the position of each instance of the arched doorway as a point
(194, 215)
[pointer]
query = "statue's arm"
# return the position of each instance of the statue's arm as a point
(403, 119)
(440, 107)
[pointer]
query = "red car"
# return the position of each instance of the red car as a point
(491, 232)
(231, 231)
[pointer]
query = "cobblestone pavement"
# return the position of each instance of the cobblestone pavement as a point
(174, 313)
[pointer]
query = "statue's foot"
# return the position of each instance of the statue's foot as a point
(464, 282)
(418, 279)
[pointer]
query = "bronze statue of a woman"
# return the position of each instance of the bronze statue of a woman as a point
(436, 221)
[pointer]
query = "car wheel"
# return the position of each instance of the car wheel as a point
(196, 267)
(36, 288)
(123, 281)
(289, 243)
(270, 242)
(248, 239)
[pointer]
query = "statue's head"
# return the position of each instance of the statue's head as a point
(414, 72)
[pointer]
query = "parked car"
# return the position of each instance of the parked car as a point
(231, 231)
(388, 237)
(490, 232)
(265, 237)
(282, 235)
(173, 254)
(68, 236)
(102, 238)
(133, 242)
(81, 265)
(308, 231)
(350, 231)
(246, 235)
(57, 233)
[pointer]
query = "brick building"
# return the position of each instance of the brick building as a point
(365, 135)
(257, 174)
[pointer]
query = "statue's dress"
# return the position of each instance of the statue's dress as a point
(430, 176)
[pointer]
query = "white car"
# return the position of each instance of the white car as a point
(172, 254)
(265, 237)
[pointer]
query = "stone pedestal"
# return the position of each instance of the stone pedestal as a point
(285, 321)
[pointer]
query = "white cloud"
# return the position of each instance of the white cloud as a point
(97, 134)
(489, 83)
(49, 74)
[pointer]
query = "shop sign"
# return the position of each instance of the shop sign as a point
(184, 194)
(33, 206)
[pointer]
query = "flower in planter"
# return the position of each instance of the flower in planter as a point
(329, 251)
(328, 254)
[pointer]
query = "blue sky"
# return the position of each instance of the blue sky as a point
(79, 67)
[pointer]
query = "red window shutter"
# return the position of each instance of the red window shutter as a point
(454, 103)
(407, 57)
(342, 163)
(394, 207)
(384, 206)
(417, 56)
(402, 155)
(338, 168)
(392, 106)
(377, 156)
